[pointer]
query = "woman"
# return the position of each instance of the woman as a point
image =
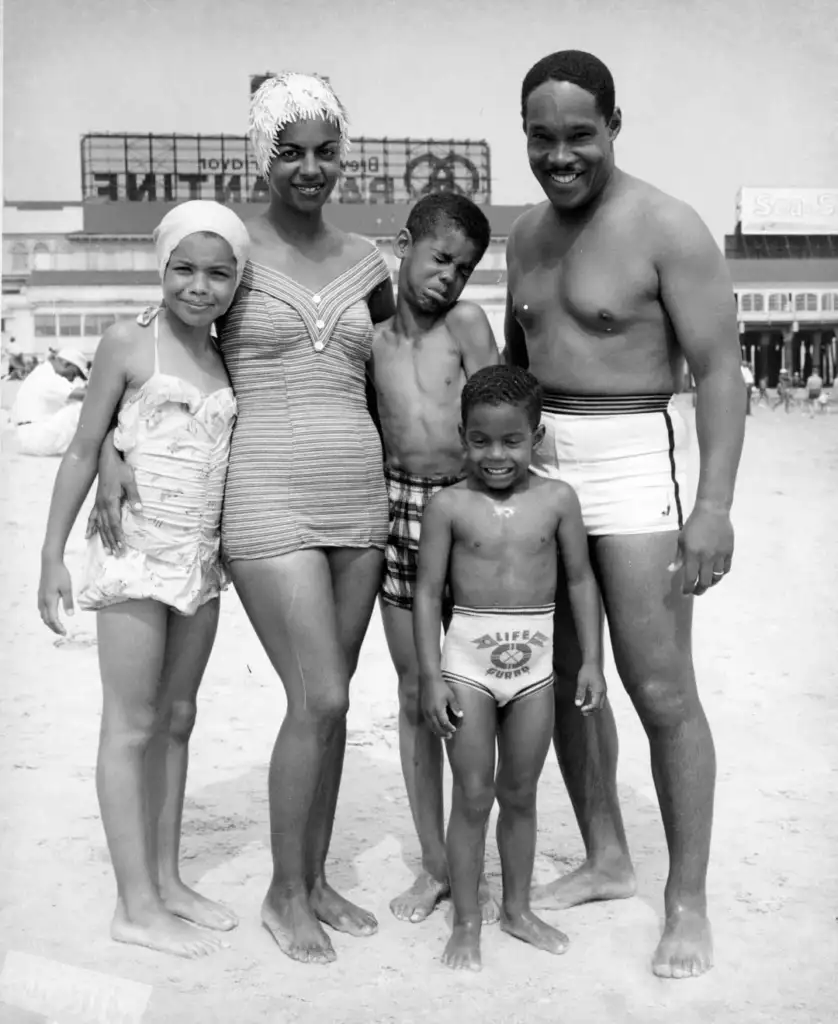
(305, 506)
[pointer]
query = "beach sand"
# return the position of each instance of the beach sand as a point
(765, 657)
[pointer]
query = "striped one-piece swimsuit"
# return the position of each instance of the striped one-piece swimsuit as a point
(305, 465)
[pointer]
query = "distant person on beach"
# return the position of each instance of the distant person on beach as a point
(496, 539)
(157, 601)
(612, 285)
(814, 390)
(48, 404)
(421, 358)
(785, 392)
(748, 378)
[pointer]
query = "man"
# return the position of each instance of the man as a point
(611, 285)
(48, 404)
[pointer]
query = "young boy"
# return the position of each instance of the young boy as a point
(420, 360)
(496, 536)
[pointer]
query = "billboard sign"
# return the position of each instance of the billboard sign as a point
(172, 168)
(788, 211)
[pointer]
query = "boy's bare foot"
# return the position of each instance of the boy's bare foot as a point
(585, 885)
(158, 929)
(462, 953)
(337, 912)
(489, 907)
(686, 946)
(529, 928)
(184, 902)
(419, 901)
(296, 930)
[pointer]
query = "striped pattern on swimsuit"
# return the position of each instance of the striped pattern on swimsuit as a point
(305, 460)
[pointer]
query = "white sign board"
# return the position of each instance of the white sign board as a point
(788, 211)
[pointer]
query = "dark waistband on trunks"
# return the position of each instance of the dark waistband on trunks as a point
(399, 476)
(604, 405)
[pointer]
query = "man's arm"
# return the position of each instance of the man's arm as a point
(470, 326)
(515, 352)
(697, 295)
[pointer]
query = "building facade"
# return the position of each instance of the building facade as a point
(783, 259)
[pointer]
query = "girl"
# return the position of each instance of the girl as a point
(157, 603)
(305, 507)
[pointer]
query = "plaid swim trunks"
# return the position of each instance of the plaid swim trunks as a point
(409, 496)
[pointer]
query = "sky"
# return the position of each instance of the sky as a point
(715, 94)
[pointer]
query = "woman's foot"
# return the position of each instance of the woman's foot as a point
(420, 900)
(529, 928)
(184, 902)
(296, 930)
(337, 912)
(462, 953)
(686, 946)
(161, 930)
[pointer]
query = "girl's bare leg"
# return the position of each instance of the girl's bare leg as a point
(132, 643)
(188, 647)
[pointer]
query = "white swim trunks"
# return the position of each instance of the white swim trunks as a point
(505, 653)
(625, 456)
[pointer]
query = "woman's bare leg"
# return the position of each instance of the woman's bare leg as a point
(289, 601)
(356, 575)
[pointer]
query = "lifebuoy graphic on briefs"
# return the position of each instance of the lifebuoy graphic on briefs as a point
(509, 652)
(509, 657)
(428, 173)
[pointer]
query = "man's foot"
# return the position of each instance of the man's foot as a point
(419, 901)
(529, 928)
(337, 912)
(296, 930)
(158, 929)
(462, 953)
(184, 902)
(489, 907)
(585, 885)
(686, 946)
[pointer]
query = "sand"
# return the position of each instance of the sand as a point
(765, 658)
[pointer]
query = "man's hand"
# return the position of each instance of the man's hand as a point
(705, 549)
(116, 484)
(440, 708)
(590, 688)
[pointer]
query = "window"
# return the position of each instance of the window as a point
(69, 325)
(759, 302)
(95, 324)
(746, 302)
(779, 302)
(806, 302)
(45, 326)
(20, 258)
